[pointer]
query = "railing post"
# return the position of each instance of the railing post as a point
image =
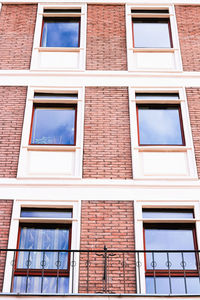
(105, 268)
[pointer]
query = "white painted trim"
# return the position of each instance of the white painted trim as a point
(130, 2)
(159, 80)
(132, 52)
(37, 49)
(25, 147)
(136, 149)
(14, 227)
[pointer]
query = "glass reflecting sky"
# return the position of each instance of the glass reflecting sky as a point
(157, 96)
(177, 285)
(159, 126)
(35, 282)
(170, 239)
(60, 32)
(167, 214)
(148, 34)
(45, 213)
(53, 126)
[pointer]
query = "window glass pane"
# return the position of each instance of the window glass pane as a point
(149, 11)
(60, 32)
(55, 96)
(35, 282)
(170, 239)
(45, 213)
(53, 125)
(43, 238)
(167, 213)
(151, 34)
(161, 285)
(157, 96)
(159, 125)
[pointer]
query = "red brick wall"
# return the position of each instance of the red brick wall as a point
(5, 217)
(109, 223)
(188, 20)
(193, 98)
(107, 146)
(12, 101)
(106, 37)
(17, 25)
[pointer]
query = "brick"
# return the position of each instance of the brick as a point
(12, 101)
(106, 39)
(189, 37)
(109, 229)
(17, 32)
(193, 98)
(107, 145)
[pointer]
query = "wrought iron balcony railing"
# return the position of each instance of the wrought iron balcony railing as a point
(103, 271)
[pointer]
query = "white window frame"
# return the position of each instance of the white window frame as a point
(38, 32)
(78, 148)
(174, 32)
(136, 148)
(14, 228)
(140, 221)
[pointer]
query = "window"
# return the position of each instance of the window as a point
(60, 29)
(53, 124)
(159, 124)
(38, 269)
(175, 269)
(151, 32)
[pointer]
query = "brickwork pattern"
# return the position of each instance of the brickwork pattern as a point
(12, 101)
(189, 37)
(17, 25)
(110, 224)
(193, 98)
(107, 145)
(5, 217)
(106, 38)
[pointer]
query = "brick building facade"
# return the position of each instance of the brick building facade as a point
(100, 149)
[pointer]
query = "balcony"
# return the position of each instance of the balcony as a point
(102, 272)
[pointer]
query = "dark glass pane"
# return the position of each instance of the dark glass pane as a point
(41, 239)
(55, 96)
(34, 284)
(161, 285)
(151, 34)
(170, 239)
(167, 213)
(157, 96)
(149, 11)
(62, 11)
(60, 32)
(159, 125)
(45, 213)
(54, 126)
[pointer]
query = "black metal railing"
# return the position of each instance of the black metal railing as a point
(103, 271)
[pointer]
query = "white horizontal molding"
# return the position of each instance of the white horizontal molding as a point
(104, 78)
(138, 2)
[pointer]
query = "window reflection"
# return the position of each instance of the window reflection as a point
(170, 239)
(159, 125)
(179, 285)
(61, 32)
(53, 125)
(151, 33)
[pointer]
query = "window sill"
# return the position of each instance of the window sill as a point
(59, 49)
(164, 50)
(162, 148)
(51, 148)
